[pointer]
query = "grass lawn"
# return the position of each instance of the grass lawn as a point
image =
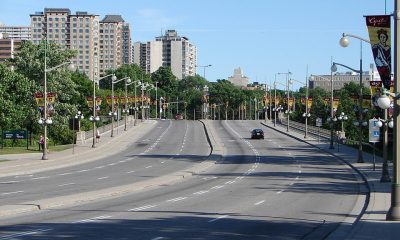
(17, 150)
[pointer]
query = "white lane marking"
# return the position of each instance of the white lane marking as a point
(99, 167)
(66, 184)
(208, 178)
(218, 218)
(15, 235)
(260, 202)
(291, 184)
(200, 192)
(297, 178)
(289, 153)
(279, 192)
(92, 219)
(299, 171)
(131, 171)
(37, 178)
(230, 182)
(163, 162)
(9, 182)
(84, 170)
(176, 199)
(158, 238)
(103, 178)
(9, 193)
(217, 187)
(112, 164)
(148, 166)
(141, 208)
(63, 174)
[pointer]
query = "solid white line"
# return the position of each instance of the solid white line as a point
(100, 167)
(92, 219)
(218, 218)
(84, 170)
(131, 172)
(103, 178)
(158, 238)
(230, 182)
(148, 166)
(8, 193)
(66, 184)
(217, 187)
(258, 203)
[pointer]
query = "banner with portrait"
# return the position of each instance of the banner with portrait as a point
(335, 103)
(379, 35)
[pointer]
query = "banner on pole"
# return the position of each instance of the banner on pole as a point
(379, 35)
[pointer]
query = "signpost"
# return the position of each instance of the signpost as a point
(373, 135)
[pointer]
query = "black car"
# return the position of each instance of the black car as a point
(257, 134)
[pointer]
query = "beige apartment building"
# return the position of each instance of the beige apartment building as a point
(8, 46)
(169, 50)
(100, 45)
(115, 42)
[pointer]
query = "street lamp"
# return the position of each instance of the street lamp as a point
(344, 42)
(204, 69)
(342, 117)
(157, 101)
(385, 123)
(143, 87)
(205, 95)
(78, 116)
(45, 120)
(288, 96)
(288, 111)
(114, 80)
(95, 118)
(135, 108)
(306, 115)
(360, 100)
(128, 81)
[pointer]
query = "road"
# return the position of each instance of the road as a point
(277, 188)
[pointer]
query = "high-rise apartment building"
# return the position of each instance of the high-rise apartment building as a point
(8, 46)
(174, 51)
(100, 45)
(16, 32)
(115, 42)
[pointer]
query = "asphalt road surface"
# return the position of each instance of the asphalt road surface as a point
(276, 188)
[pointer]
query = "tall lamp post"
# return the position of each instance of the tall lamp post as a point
(360, 111)
(394, 212)
(114, 80)
(95, 118)
(204, 69)
(306, 115)
(287, 87)
(46, 121)
(156, 102)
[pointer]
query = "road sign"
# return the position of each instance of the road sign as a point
(374, 130)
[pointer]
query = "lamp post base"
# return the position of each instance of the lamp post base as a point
(394, 211)
(385, 173)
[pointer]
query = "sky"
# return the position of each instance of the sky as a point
(262, 37)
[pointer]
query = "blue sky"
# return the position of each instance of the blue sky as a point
(262, 37)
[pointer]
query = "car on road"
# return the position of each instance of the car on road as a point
(257, 134)
(178, 116)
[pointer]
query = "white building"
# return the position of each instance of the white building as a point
(169, 50)
(238, 79)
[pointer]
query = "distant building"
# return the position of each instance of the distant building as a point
(115, 42)
(8, 47)
(100, 45)
(340, 79)
(16, 32)
(238, 79)
(169, 50)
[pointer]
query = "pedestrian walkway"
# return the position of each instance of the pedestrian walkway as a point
(29, 163)
(368, 219)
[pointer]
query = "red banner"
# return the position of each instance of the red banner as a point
(379, 35)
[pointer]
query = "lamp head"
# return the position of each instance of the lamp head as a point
(379, 123)
(391, 123)
(128, 80)
(344, 41)
(364, 124)
(383, 102)
(356, 123)
(71, 66)
(113, 78)
(40, 121)
(334, 67)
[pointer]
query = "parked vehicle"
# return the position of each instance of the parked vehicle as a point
(257, 134)
(178, 116)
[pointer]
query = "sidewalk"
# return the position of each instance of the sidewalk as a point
(368, 219)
